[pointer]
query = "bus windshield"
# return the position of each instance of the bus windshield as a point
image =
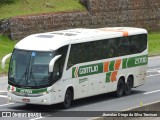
(30, 68)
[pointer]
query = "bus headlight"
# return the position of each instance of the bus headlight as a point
(44, 100)
(45, 93)
(10, 91)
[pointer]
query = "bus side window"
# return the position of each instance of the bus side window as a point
(100, 49)
(134, 48)
(62, 51)
(124, 46)
(56, 72)
(59, 64)
(142, 41)
(75, 55)
(88, 52)
(112, 48)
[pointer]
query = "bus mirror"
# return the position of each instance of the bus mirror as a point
(4, 60)
(51, 64)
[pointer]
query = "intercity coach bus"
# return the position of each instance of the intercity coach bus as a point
(61, 66)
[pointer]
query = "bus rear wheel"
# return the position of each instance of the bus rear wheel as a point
(128, 85)
(120, 88)
(68, 99)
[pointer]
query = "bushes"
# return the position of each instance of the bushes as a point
(7, 1)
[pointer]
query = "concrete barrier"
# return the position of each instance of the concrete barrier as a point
(149, 108)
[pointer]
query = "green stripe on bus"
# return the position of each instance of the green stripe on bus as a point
(124, 63)
(90, 69)
(98, 68)
(111, 65)
(108, 75)
(31, 91)
(137, 61)
(73, 71)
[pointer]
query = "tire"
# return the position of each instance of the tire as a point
(68, 99)
(120, 88)
(128, 86)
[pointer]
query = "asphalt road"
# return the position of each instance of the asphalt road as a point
(147, 93)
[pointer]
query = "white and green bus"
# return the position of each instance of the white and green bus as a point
(61, 66)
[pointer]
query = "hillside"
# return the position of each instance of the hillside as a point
(27, 7)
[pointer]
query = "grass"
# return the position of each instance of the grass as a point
(154, 43)
(6, 46)
(25, 7)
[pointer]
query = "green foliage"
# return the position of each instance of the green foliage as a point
(154, 43)
(7, 1)
(29, 7)
(6, 47)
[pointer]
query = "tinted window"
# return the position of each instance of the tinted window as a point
(103, 49)
(59, 64)
(100, 49)
(75, 55)
(87, 52)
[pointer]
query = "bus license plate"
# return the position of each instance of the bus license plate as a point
(26, 100)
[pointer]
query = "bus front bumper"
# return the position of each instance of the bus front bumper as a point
(40, 100)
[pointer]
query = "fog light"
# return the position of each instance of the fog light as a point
(44, 100)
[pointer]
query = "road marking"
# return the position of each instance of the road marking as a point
(153, 75)
(3, 96)
(152, 92)
(158, 71)
(151, 58)
(37, 118)
(6, 104)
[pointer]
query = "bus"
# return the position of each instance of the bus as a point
(62, 66)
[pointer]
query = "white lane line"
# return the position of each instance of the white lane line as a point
(158, 71)
(37, 118)
(152, 92)
(6, 104)
(153, 75)
(151, 58)
(3, 96)
(155, 69)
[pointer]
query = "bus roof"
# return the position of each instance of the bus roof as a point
(53, 40)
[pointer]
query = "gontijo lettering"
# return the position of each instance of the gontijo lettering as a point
(86, 70)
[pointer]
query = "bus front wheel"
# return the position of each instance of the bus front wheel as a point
(120, 88)
(68, 99)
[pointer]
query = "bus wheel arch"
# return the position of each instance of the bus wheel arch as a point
(129, 84)
(120, 86)
(68, 98)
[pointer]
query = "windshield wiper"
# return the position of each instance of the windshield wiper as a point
(24, 76)
(31, 76)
